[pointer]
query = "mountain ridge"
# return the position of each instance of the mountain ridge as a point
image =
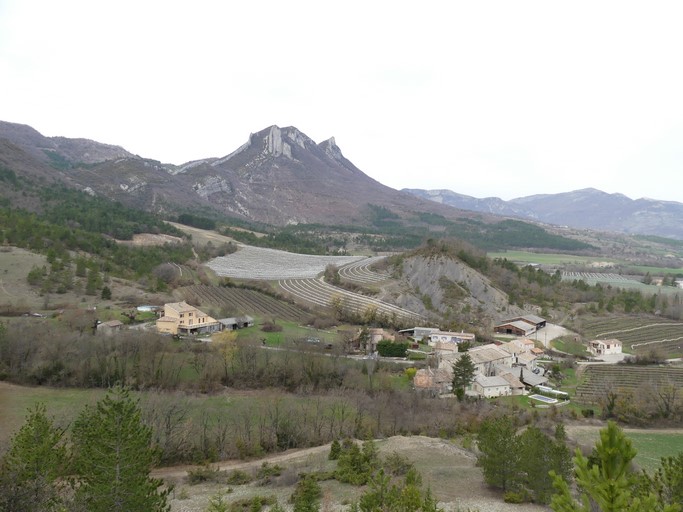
(587, 208)
(280, 176)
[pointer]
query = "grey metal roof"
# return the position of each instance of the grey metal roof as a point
(519, 324)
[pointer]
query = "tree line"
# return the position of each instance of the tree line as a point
(529, 465)
(102, 465)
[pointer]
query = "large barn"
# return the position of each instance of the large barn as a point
(521, 325)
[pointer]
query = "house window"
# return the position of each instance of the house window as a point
(189, 314)
(182, 315)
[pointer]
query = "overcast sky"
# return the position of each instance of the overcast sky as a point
(484, 98)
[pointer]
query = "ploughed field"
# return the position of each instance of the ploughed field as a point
(244, 301)
(297, 275)
(599, 379)
(271, 264)
(361, 271)
(321, 294)
(639, 335)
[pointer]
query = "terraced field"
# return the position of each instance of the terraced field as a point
(639, 334)
(270, 264)
(598, 378)
(318, 293)
(360, 271)
(297, 275)
(249, 302)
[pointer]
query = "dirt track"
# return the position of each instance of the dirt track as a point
(229, 465)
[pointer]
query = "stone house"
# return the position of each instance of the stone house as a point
(110, 326)
(491, 387)
(435, 380)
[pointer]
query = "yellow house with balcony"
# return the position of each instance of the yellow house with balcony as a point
(181, 318)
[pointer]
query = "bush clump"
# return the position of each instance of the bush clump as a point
(355, 465)
(238, 477)
(203, 474)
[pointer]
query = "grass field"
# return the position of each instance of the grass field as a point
(14, 290)
(569, 346)
(655, 271)
(291, 332)
(651, 445)
(62, 404)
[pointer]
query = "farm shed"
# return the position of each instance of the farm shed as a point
(110, 326)
(418, 333)
(234, 323)
(534, 320)
(516, 327)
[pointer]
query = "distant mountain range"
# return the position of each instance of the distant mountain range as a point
(587, 208)
(281, 176)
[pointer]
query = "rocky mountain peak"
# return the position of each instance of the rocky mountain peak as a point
(279, 141)
(331, 149)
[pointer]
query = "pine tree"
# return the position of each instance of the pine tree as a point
(608, 484)
(463, 374)
(538, 456)
(114, 457)
(306, 496)
(335, 450)
(406, 496)
(30, 470)
(667, 482)
(92, 282)
(499, 454)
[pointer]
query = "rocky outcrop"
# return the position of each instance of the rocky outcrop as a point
(331, 149)
(212, 185)
(451, 286)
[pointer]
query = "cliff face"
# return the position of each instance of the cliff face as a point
(455, 291)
